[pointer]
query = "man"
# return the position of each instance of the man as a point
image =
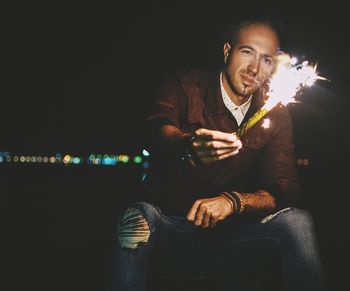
(213, 185)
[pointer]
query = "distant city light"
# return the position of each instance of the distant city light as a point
(137, 159)
(66, 159)
(144, 177)
(306, 162)
(303, 162)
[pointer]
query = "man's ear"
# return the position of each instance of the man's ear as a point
(227, 49)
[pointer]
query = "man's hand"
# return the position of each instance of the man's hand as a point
(207, 212)
(212, 145)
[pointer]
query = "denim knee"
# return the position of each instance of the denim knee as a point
(292, 225)
(137, 224)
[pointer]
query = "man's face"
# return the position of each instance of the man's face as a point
(250, 63)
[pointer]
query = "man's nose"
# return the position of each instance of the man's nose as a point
(254, 66)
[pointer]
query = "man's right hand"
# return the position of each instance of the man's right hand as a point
(212, 145)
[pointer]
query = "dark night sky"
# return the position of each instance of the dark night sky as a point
(78, 77)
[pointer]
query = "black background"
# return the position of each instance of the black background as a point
(77, 77)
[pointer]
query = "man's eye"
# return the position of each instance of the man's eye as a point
(246, 52)
(267, 60)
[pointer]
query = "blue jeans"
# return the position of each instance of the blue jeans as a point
(229, 248)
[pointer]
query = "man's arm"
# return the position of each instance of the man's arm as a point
(207, 212)
(207, 145)
(280, 183)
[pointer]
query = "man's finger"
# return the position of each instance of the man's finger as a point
(215, 135)
(192, 213)
(214, 144)
(206, 219)
(213, 221)
(199, 216)
(213, 153)
(211, 159)
(227, 155)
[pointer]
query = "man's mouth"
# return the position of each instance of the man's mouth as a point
(248, 81)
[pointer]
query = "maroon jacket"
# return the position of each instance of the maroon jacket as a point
(192, 100)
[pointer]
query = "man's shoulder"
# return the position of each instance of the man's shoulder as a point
(193, 74)
(189, 77)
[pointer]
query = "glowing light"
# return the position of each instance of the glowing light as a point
(288, 79)
(76, 160)
(124, 158)
(137, 159)
(109, 161)
(66, 159)
(284, 84)
(305, 162)
(145, 153)
(266, 123)
(58, 157)
(293, 61)
(104, 159)
(144, 177)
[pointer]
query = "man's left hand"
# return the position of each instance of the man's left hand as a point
(207, 212)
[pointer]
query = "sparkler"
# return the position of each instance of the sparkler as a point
(288, 79)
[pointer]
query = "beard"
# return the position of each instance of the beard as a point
(243, 85)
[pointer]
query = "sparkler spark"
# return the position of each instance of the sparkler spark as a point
(266, 123)
(288, 79)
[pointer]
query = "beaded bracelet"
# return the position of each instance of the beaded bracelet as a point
(238, 197)
(237, 200)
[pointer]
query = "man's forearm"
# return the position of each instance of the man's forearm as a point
(258, 202)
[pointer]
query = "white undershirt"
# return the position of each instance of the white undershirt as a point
(238, 111)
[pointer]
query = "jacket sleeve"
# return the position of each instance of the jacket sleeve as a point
(279, 172)
(167, 108)
(169, 101)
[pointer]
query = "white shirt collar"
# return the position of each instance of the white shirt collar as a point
(238, 111)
